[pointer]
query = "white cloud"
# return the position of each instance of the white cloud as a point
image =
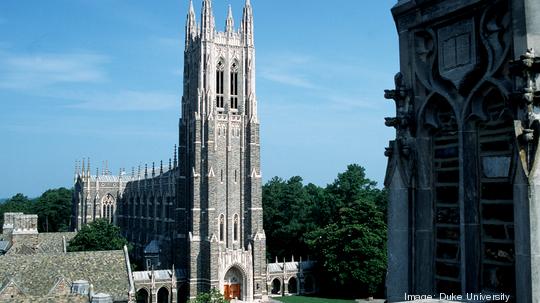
(287, 78)
(38, 71)
(127, 100)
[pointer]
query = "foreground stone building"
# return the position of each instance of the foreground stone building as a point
(36, 267)
(202, 213)
(462, 173)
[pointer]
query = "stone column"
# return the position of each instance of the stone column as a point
(397, 279)
(526, 27)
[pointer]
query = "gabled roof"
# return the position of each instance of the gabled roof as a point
(152, 247)
(37, 274)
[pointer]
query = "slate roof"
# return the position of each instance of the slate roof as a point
(52, 242)
(46, 243)
(147, 275)
(152, 247)
(37, 274)
(290, 266)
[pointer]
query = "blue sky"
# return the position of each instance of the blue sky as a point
(102, 79)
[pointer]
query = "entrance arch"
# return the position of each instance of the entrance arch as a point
(309, 284)
(293, 285)
(234, 284)
(142, 296)
(276, 286)
(163, 295)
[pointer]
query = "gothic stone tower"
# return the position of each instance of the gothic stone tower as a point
(463, 177)
(222, 241)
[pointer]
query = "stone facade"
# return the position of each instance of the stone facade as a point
(221, 228)
(463, 185)
(204, 213)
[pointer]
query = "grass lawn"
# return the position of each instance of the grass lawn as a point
(300, 299)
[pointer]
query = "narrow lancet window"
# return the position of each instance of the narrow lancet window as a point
(234, 86)
(221, 228)
(220, 103)
(235, 228)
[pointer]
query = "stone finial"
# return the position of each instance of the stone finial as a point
(229, 24)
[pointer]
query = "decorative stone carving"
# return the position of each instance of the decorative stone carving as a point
(457, 50)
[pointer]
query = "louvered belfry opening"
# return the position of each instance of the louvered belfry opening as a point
(447, 210)
(495, 149)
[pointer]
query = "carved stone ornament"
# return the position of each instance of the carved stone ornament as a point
(457, 51)
(527, 99)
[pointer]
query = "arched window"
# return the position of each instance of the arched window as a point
(220, 73)
(234, 85)
(221, 228)
(236, 226)
(107, 205)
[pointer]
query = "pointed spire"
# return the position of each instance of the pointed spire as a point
(132, 172)
(153, 169)
(170, 164)
(139, 172)
(83, 166)
(191, 24)
(207, 20)
(229, 24)
(175, 161)
(76, 174)
(247, 24)
(161, 168)
(88, 169)
(145, 171)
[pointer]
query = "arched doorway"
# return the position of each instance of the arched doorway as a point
(163, 295)
(142, 296)
(309, 284)
(276, 287)
(233, 284)
(293, 285)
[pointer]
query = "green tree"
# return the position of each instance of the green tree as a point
(288, 215)
(53, 208)
(17, 203)
(97, 236)
(351, 248)
(214, 296)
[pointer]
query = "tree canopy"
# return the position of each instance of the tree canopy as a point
(97, 236)
(342, 226)
(214, 296)
(53, 208)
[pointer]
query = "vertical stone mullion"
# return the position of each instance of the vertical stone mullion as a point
(469, 211)
(423, 236)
